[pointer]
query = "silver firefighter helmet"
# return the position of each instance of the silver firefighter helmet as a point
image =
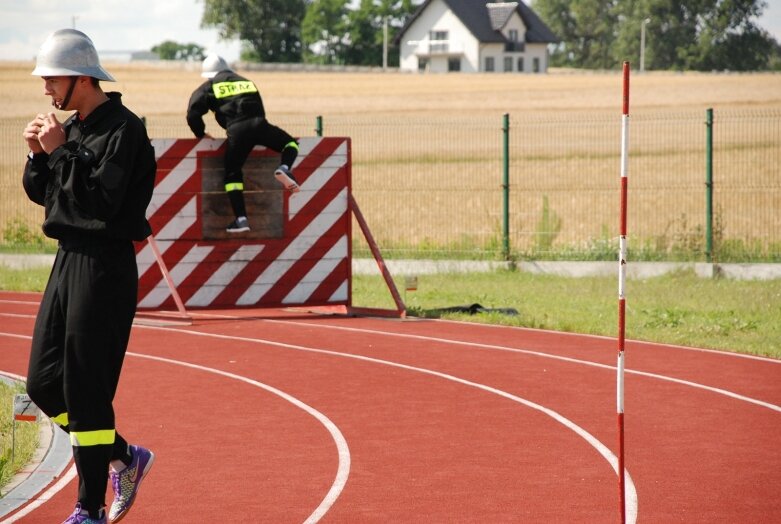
(68, 52)
(212, 65)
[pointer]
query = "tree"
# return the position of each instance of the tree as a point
(729, 39)
(170, 50)
(698, 35)
(323, 31)
(366, 26)
(704, 35)
(586, 29)
(270, 28)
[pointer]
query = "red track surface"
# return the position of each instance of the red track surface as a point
(442, 421)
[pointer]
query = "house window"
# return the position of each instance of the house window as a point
(438, 41)
(422, 64)
(536, 65)
(489, 63)
(513, 45)
(520, 65)
(508, 64)
(454, 64)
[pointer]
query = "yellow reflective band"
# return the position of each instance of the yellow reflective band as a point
(236, 186)
(226, 89)
(61, 419)
(293, 144)
(92, 438)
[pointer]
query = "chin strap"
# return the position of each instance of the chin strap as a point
(65, 101)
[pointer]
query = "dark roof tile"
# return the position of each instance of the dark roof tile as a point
(481, 20)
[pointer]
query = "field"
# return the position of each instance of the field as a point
(164, 91)
(441, 130)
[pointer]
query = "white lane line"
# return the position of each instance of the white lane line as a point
(425, 338)
(13, 376)
(14, 335)
(631, 492)
(16, 315)
(696, 385)
(343, 450)
(714, 352)
(343, 470)
(44, 497)
(25, 302)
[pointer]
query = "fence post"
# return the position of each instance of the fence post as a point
(709, 185)
(319, 125)
(506, 187)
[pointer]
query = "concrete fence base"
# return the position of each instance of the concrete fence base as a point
(567, 269)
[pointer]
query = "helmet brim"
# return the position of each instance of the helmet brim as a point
(94, 72)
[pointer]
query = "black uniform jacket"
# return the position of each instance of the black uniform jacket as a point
(232, 97)
(97, 185)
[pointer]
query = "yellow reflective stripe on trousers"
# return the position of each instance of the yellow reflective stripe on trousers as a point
(293, 144)
(92, 438)
(226, 89)
(61, 419)
(235, 186)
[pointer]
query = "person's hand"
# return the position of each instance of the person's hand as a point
(31, 132)
(51, 134)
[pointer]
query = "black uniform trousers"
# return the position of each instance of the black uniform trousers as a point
(242, 137)
(79, 343)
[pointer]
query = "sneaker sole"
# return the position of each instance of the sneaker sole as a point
(143, 476)
(239, 230)
(290, 184)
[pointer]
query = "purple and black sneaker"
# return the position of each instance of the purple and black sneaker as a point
(81, 516)
(127, 481)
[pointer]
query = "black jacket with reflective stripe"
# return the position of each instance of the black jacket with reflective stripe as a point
(232, 97)
(97, 185)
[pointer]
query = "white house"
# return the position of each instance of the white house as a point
(474, 36)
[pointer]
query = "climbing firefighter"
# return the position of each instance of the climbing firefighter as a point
(238, 108)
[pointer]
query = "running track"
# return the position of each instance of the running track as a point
(287, 417)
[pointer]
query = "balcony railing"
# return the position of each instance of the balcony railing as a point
(437, 47)
(515, 47)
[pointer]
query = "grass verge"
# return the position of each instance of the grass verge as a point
(26, 438)
(31, 279)
(678, 308)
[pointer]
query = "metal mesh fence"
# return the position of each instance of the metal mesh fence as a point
(434, 187)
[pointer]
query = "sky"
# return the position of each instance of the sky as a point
(138, 25)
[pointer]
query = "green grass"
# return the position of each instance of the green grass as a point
(26, 436)
(33, 279)
(679, 308)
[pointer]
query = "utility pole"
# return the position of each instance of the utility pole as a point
(385, 43)
(642, 43)
(73, 21)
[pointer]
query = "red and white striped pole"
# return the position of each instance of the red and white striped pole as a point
(622, 295)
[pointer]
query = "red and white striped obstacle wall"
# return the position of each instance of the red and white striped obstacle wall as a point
(298, 252)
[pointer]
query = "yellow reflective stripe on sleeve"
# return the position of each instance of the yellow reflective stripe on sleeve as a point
(292, 144)
(92, 438)
(226, 89)
(235, 186)
(61, 419)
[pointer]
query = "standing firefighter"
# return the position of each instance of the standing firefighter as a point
(94, 174)
(238, 108)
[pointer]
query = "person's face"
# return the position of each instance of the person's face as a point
(57, 87)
